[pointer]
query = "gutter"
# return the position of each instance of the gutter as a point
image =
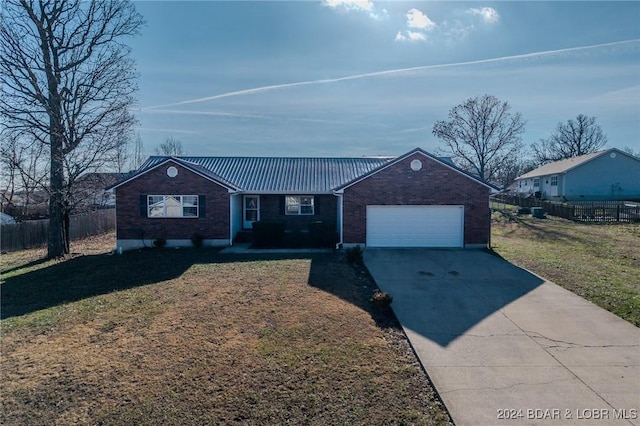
(340, 194)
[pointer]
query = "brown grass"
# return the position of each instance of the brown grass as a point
(204, 338)
(600, 262)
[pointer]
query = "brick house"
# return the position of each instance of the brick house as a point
(414, 200)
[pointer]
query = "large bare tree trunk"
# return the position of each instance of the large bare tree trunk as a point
(67, 85)
(56, 245)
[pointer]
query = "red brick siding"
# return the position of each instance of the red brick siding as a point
(434, 184)
(272, 208)
(132, 225)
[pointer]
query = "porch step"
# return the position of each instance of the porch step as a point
(245, 236)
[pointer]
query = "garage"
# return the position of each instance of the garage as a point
(415, 226)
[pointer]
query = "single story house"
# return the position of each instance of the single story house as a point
(414, 200)
(6, 219)
(611, 174)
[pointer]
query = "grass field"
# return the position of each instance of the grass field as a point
(192, 336)
(600, 262)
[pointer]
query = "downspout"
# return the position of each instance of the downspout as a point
(339, 194)
(232, 194)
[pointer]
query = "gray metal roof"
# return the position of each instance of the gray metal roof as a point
(281, 174)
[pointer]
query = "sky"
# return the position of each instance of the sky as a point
(365, 77)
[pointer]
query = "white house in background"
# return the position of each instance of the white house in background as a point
(605, 175)
(5, 219)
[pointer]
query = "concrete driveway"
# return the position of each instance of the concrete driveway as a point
(503, 346)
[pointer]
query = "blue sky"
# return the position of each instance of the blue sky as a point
(351, 78)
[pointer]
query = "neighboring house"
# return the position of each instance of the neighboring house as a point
(414, 200)
(6, 219)
(605, 175)
(89, 189)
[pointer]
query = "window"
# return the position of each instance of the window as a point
(554, 180)
(299, 205)
(536, 182)
(172, 206)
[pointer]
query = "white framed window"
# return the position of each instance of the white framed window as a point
(172, 206)
(554, 180)
(299, 205)
(536, 182)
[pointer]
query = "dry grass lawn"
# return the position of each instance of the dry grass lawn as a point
(193, 336)
(600, 262)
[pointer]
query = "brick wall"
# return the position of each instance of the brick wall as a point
(433, 184)
(131, 224)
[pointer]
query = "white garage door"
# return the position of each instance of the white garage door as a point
(415, 226)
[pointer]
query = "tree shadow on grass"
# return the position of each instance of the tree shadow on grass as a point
(87, 276)
(25, 266)
(84, 277)
(542, 228)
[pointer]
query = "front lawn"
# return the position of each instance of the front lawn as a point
(600, 262)
(193, 336)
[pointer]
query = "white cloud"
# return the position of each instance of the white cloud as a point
(488, 14)
(419, 24)
(410, 36)
(455, 30)
(417, 19)
(366, 6)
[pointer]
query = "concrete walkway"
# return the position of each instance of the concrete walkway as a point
(503, 346)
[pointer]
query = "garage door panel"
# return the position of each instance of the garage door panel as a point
(415, 226)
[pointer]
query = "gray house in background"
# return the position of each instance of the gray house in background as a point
(605, 175)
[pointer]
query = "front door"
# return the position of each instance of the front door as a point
(251, 211)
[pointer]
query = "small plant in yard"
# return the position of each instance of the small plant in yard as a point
(159, 242)
(197, 240)
(354, 255)
(381, 299)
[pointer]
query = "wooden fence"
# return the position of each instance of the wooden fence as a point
(583, 211)
(35, 233)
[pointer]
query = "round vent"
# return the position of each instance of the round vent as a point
(172, 172)
(416, 165)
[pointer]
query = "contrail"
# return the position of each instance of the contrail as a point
(157, 110)
(390, 72)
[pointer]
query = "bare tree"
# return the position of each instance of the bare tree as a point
(571, 139)
(481, 135)
(170, 147)
(67, 83)
(631, 151)
(138, 153)
(24, 170)
(511, 169)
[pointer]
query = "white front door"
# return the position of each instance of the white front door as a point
(251, 210)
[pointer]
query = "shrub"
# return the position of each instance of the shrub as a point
(268, 234)
(159, 242)
(197, 240)
(323, 234)
(295, 239)
(381, 299)
(354, 255)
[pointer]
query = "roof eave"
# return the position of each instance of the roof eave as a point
(404, 156)
(185, 164)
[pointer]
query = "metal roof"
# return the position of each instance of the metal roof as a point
(281, 174)
(564, 166)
